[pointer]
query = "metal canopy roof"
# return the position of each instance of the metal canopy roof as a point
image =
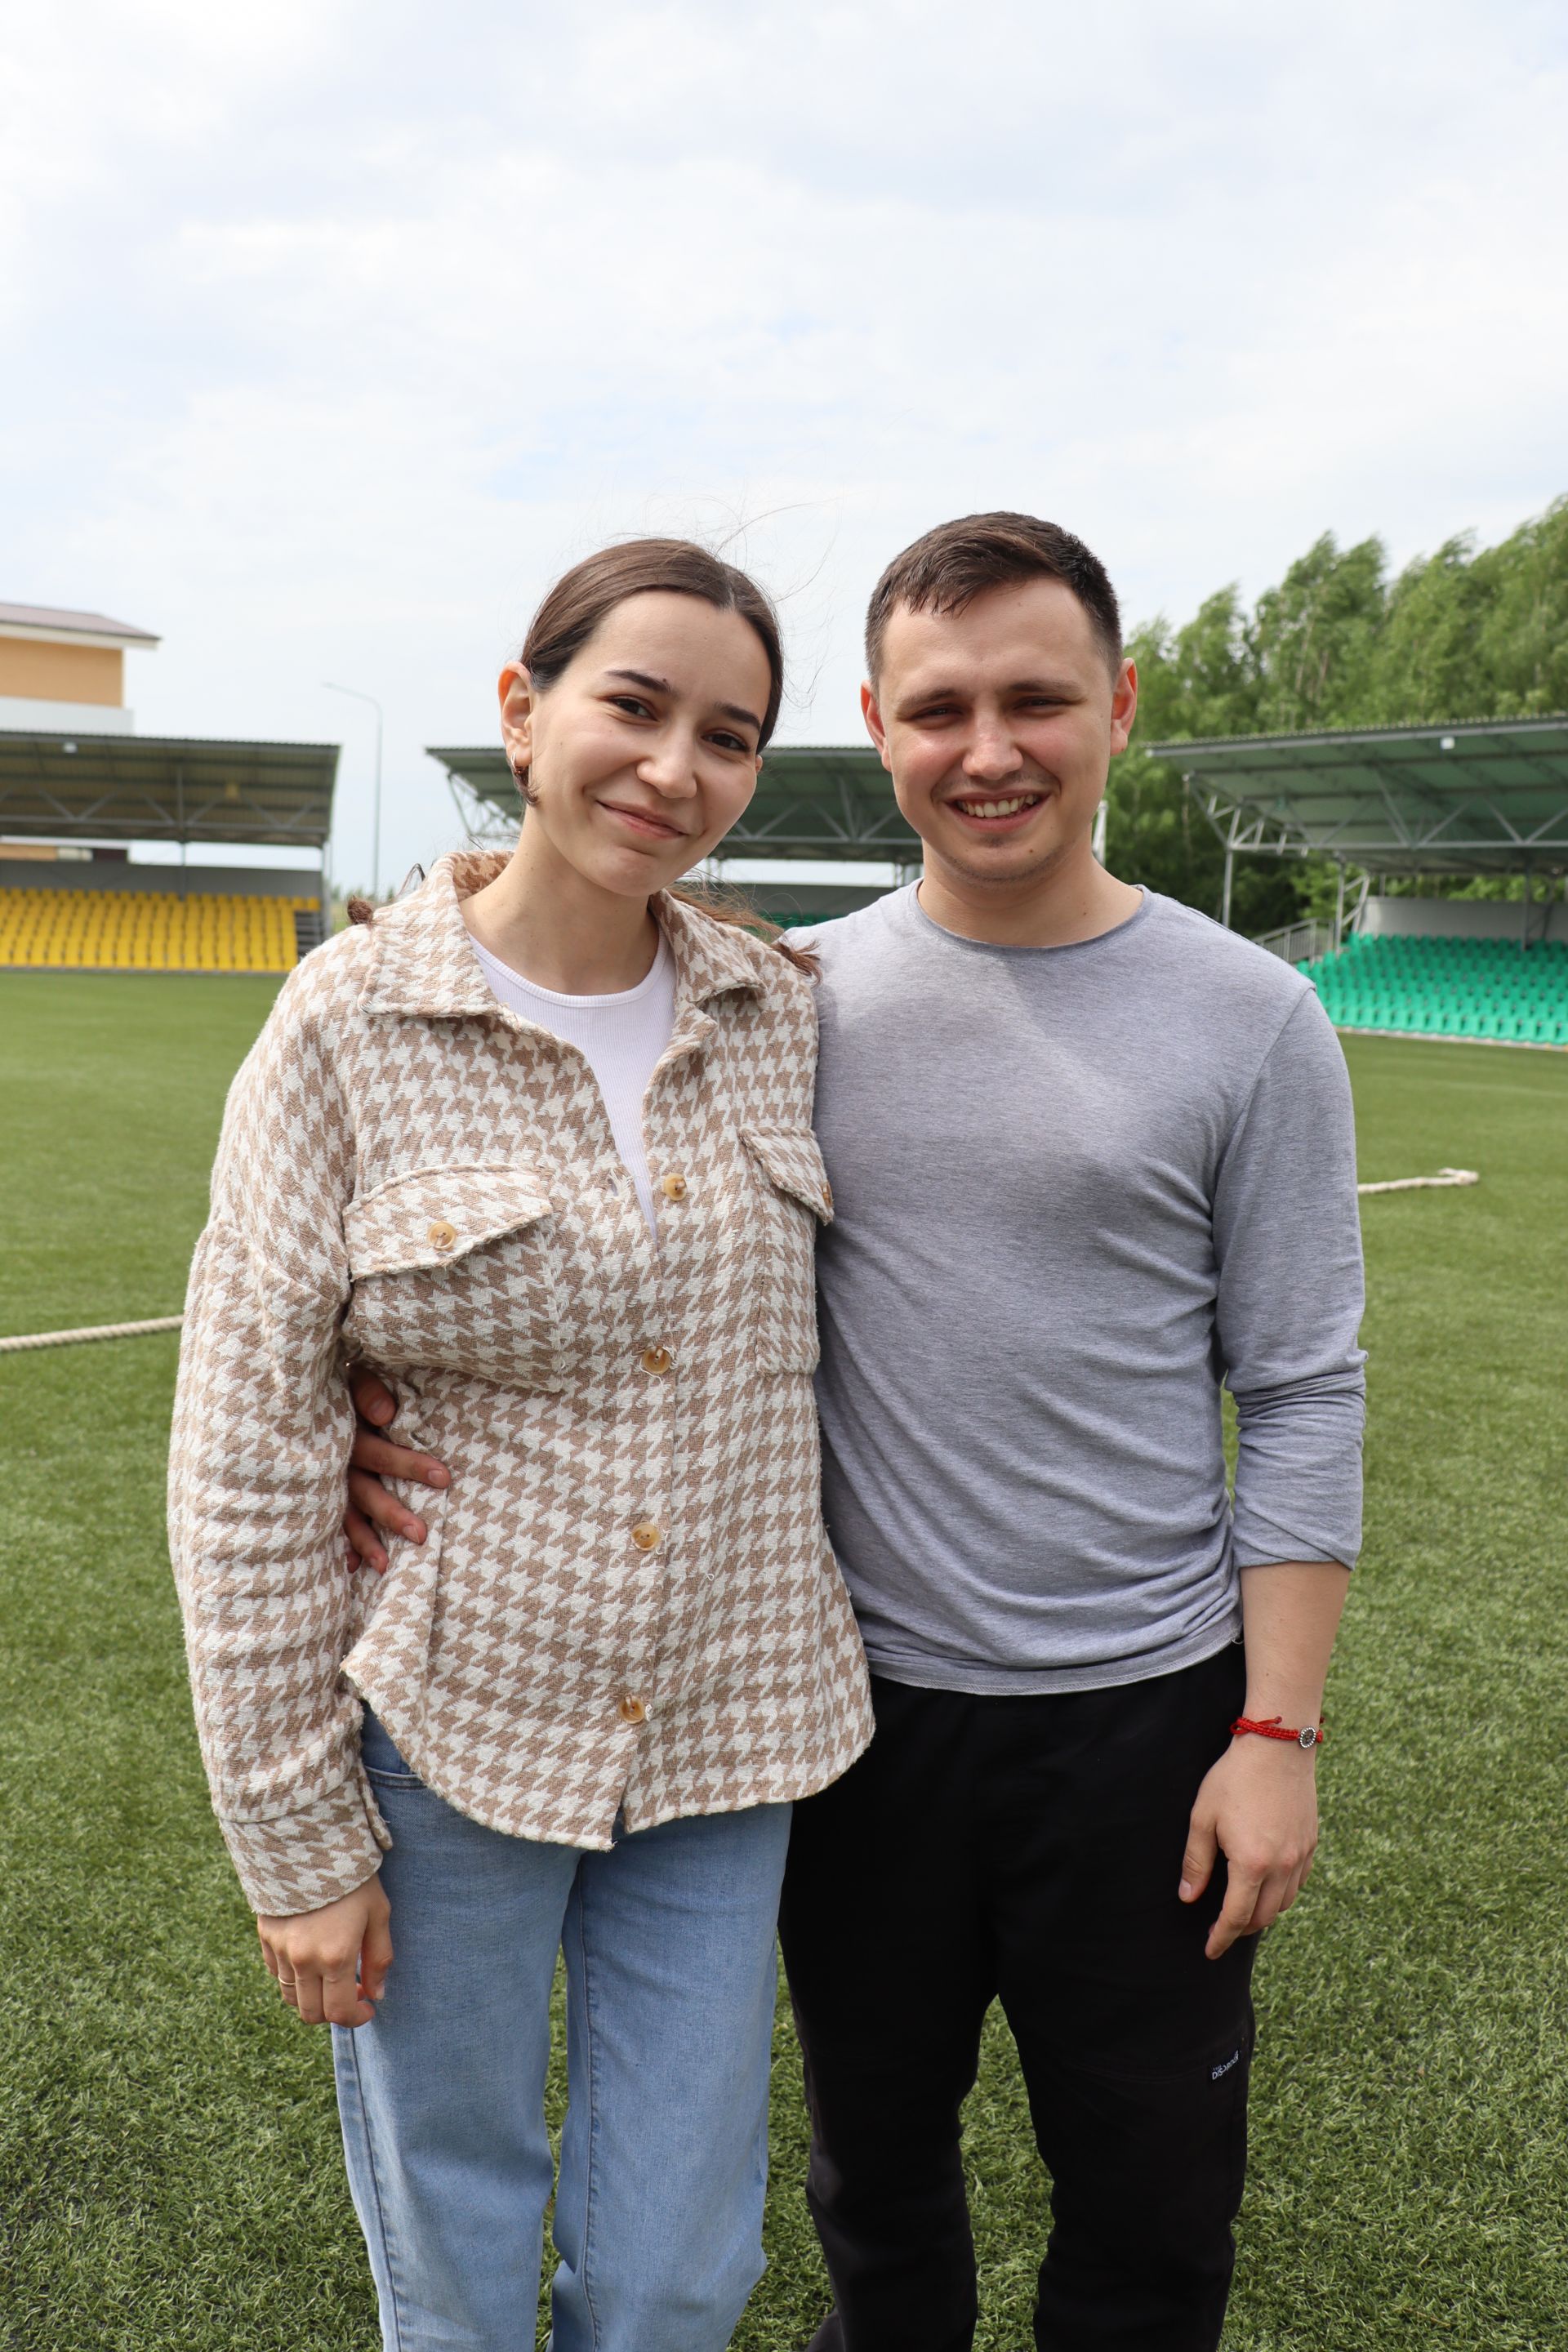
(831, 802)
(150, 788)
(1487, 797)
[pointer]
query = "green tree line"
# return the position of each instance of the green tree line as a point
(1466, 633)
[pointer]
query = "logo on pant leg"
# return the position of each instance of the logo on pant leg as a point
(1224, 2066)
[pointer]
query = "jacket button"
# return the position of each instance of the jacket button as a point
(656, 1360)
(631, 1710)
(673, 1188)
(827, 1198)
(442, 1235)
(645, 1535)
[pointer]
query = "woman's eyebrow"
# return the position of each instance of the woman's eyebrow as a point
(662, 685)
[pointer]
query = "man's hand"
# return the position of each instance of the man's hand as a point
(1259, 1807)
(371, 1505)
(331, 1965)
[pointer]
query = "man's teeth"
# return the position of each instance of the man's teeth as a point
(999, 808)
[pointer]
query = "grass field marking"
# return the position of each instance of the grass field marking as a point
(20, 1340)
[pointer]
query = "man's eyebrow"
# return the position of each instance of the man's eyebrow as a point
(662, 685)
(1062, 689)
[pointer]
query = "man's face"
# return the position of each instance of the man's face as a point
(998, 725)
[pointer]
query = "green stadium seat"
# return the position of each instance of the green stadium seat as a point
(1448, 988)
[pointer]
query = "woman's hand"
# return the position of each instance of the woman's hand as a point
(331, 1965)
(371, 1505)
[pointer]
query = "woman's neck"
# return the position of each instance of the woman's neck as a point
(543, 918)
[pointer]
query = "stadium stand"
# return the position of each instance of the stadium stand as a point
(64, 906)
(152, 930)
(1462, 801)
(1439, 987)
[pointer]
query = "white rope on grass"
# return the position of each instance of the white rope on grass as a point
(13, 1347)
(1444, 1177)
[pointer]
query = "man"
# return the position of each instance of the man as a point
(1092, 1158)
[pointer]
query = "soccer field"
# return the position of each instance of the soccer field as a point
(170, 2179)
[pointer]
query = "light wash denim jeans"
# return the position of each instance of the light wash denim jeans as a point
(671, 1974)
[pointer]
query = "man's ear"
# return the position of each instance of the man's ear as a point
(871, 711)
(1123, 707)
(515, 688)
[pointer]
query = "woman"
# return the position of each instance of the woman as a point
(536, 1143)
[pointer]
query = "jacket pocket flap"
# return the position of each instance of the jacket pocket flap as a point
(791, 1157)
(437, 1214)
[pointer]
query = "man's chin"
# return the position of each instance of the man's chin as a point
(1018, 858)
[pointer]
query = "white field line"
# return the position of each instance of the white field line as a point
(13, 1347)
(1444, 1177)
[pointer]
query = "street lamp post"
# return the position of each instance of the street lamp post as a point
(375, 814)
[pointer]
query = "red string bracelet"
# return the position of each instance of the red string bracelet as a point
(1306, 1737)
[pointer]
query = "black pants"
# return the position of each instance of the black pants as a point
(1028, 1850)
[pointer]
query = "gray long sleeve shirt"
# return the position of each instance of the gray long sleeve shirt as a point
(1076, 1189)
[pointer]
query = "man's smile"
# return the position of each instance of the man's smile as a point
(995, 811)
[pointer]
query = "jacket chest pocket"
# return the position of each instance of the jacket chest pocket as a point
(791, 1196)
(459, 1269)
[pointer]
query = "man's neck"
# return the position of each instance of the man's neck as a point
(1071, 900)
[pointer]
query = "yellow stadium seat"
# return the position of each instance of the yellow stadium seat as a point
(146, 930)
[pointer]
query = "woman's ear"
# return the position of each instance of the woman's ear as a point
(516, 691)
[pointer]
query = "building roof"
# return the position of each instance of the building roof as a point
(64, 787)
(827, 801)
(53, 620)
(1464, 797)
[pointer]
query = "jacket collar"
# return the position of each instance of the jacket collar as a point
(422, 960)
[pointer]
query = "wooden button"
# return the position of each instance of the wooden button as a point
(827, 1198)
(656, 1360)
(632, 1710)
(673, 1188)
(645, 1535)
(442, 1235)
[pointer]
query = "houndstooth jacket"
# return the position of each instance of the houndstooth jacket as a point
(626, 1603)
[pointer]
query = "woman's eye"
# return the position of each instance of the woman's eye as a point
(631, 703)
(731, 743)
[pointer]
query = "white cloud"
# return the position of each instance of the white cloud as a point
(341, 329)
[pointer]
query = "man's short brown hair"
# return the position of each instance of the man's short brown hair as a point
(952, 564)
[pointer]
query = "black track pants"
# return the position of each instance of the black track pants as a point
(1025, 1850)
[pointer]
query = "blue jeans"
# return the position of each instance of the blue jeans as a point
(670, 1973)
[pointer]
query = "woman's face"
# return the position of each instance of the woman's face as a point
(643, 752)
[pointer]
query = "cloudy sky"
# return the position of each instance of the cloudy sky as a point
(331, 332)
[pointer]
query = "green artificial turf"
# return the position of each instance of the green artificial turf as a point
(169, 2173)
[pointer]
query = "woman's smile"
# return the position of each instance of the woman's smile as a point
(647, 822)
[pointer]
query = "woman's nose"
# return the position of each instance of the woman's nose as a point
(670, 768)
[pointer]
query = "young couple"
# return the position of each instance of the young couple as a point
(536, 1145)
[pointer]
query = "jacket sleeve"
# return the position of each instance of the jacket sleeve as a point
(261, 1434)
(1288, 1239)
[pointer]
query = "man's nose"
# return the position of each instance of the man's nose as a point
(992, 754)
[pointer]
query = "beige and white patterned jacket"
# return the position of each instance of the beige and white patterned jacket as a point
(626, 1600)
